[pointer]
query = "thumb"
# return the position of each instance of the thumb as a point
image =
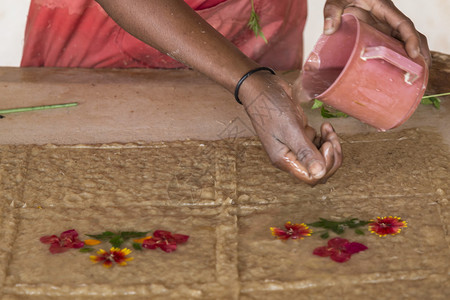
(306, 154)
(332, 13)
(313, 161)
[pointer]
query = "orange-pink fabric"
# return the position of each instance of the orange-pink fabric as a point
(79, 33)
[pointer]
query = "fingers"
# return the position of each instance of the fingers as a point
(296, 155)
(287, 138)
(289, 163)
(304, 160)
(332, 13)
(331, 149)
(384, 11)
(424, 50)
(387, 12)
(284, 159)
(301, 156)
(310, 134)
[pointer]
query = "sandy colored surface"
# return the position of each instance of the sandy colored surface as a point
(218, 187)
(225, 195)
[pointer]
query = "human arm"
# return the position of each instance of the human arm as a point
(172, 27)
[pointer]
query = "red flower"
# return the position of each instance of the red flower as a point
(67, 240)
(165, 240)
(293, 231)
(339, 250)
(387, 225)
(115, 255)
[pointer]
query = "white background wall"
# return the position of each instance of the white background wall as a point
(431, 17)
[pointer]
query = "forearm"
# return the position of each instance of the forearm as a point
(172, 27)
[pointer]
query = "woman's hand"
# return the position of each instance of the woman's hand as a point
(282, 127)
(383, 15)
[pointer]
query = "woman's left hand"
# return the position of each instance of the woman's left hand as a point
(383, 15)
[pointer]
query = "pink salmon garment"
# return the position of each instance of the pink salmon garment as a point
(79, 33)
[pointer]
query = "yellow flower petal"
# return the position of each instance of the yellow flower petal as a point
(125, 251)
(141, 240)
(94, 258)
(92, 242)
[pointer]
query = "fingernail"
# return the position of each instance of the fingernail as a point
(316, 169)
(415, 52)
(328, 27)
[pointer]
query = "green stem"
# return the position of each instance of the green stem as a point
(42, 107)
(437, 95)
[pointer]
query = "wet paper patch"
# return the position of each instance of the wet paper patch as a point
(225, 195)
(189, 271)
(392, 164)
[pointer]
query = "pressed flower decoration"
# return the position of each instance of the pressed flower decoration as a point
(338, 227)
(339, 249)
(387, 225)
(66, 240)
(115, 255)
(293, 231)
(116, 239)
(165, 240)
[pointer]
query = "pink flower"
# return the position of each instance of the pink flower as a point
(67, 240)
(293, 231)
(165, 240)
(340, 250)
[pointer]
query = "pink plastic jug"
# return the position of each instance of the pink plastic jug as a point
(365, 74)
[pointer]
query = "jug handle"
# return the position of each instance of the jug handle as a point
(412, 69)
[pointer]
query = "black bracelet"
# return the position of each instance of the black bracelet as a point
(238, 85)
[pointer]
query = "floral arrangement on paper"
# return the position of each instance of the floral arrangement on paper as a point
(337, 248)
(117, 254)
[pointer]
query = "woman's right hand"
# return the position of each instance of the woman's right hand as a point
(291, 144)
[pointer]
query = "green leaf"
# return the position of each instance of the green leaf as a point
(359, 231)
(86, 250)
(317, 104)
(137, 246)
(325, 235)
(104, 236)
(426, 101)
(338, 228)
(254, 25)
(116, 241)
(328, 114)
(132, 234)
(320, 223)
(354, 223)
(433, 100)
(436, 102)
